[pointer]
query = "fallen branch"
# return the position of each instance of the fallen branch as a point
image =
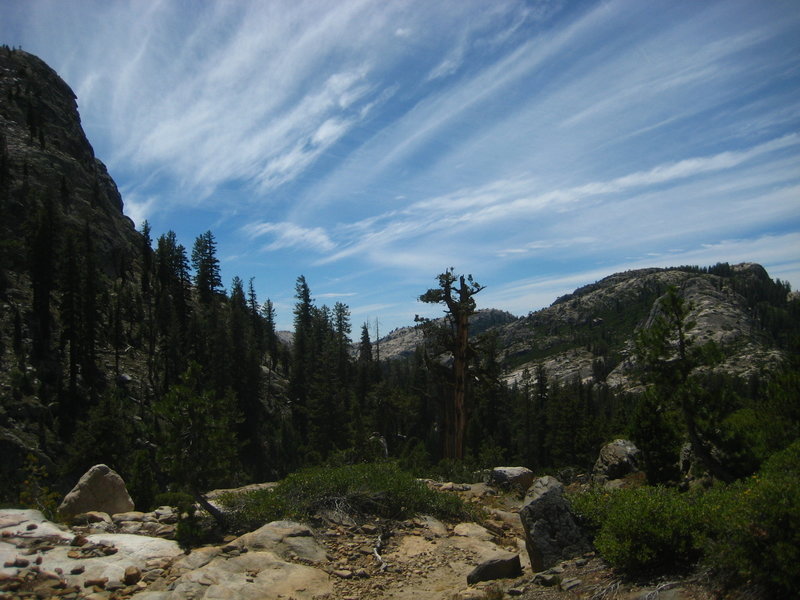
(375, 550)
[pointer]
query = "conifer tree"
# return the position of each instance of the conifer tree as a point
(207, 278)
(302, 356)
(667, 358)
(197, 442)
(457, 296)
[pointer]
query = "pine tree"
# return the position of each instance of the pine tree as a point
(459, 304)
(207, 278)
(667, 358)
(302, 356)
(197, 444)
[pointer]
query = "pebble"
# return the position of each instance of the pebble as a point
(343, 573)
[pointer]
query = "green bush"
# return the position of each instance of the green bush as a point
(380, 489)
(648, 528)
(591, 507)
(752, 528)
(747, 532)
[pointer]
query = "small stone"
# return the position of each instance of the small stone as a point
(132, 575)
(100, 582)
(343, 573)
(369, 529)
(570, 584)
(32, 526)
(77, 570)
(547, 579)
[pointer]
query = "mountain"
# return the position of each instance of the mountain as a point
(402, 341)
(63, 238)
(46, 163)
(590, 333)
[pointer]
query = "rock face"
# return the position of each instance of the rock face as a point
(614, 307)
(551, 532)
(616, 460)
(50, 175)
(100, 489)
(519, 478)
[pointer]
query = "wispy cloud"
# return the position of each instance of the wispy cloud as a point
(289, 235)
(509, 205)
(371, 144)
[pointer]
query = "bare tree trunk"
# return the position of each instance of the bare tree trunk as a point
(460, 383)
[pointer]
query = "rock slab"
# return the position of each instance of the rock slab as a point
(499, 567)
(551, 531)
(100, 489)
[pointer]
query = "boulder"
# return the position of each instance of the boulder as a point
(551, 531)
(519, 478)
(100, 489)
(616, 460)
(502, 566)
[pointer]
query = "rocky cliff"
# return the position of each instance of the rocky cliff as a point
(58, 207)
(46, 161)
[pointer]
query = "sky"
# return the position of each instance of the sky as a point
(369, 145)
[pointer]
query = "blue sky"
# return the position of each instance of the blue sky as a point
(369, 145)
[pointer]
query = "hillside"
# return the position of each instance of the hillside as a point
(589, 333)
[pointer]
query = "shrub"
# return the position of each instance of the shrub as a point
(181, 501)
(34, 491)
(747, 532)
(380, 489)
(591, 507)
(647, 529)
(752, 528)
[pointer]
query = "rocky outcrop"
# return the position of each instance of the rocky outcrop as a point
(616, 460)
(286, 539)
(39, 555)
(100, 489)
(612, 309)
(551, 531)
(47, 155)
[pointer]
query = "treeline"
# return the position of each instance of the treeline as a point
(153, 368)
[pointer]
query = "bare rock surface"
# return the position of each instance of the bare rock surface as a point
(286, 539)
(349, 559)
